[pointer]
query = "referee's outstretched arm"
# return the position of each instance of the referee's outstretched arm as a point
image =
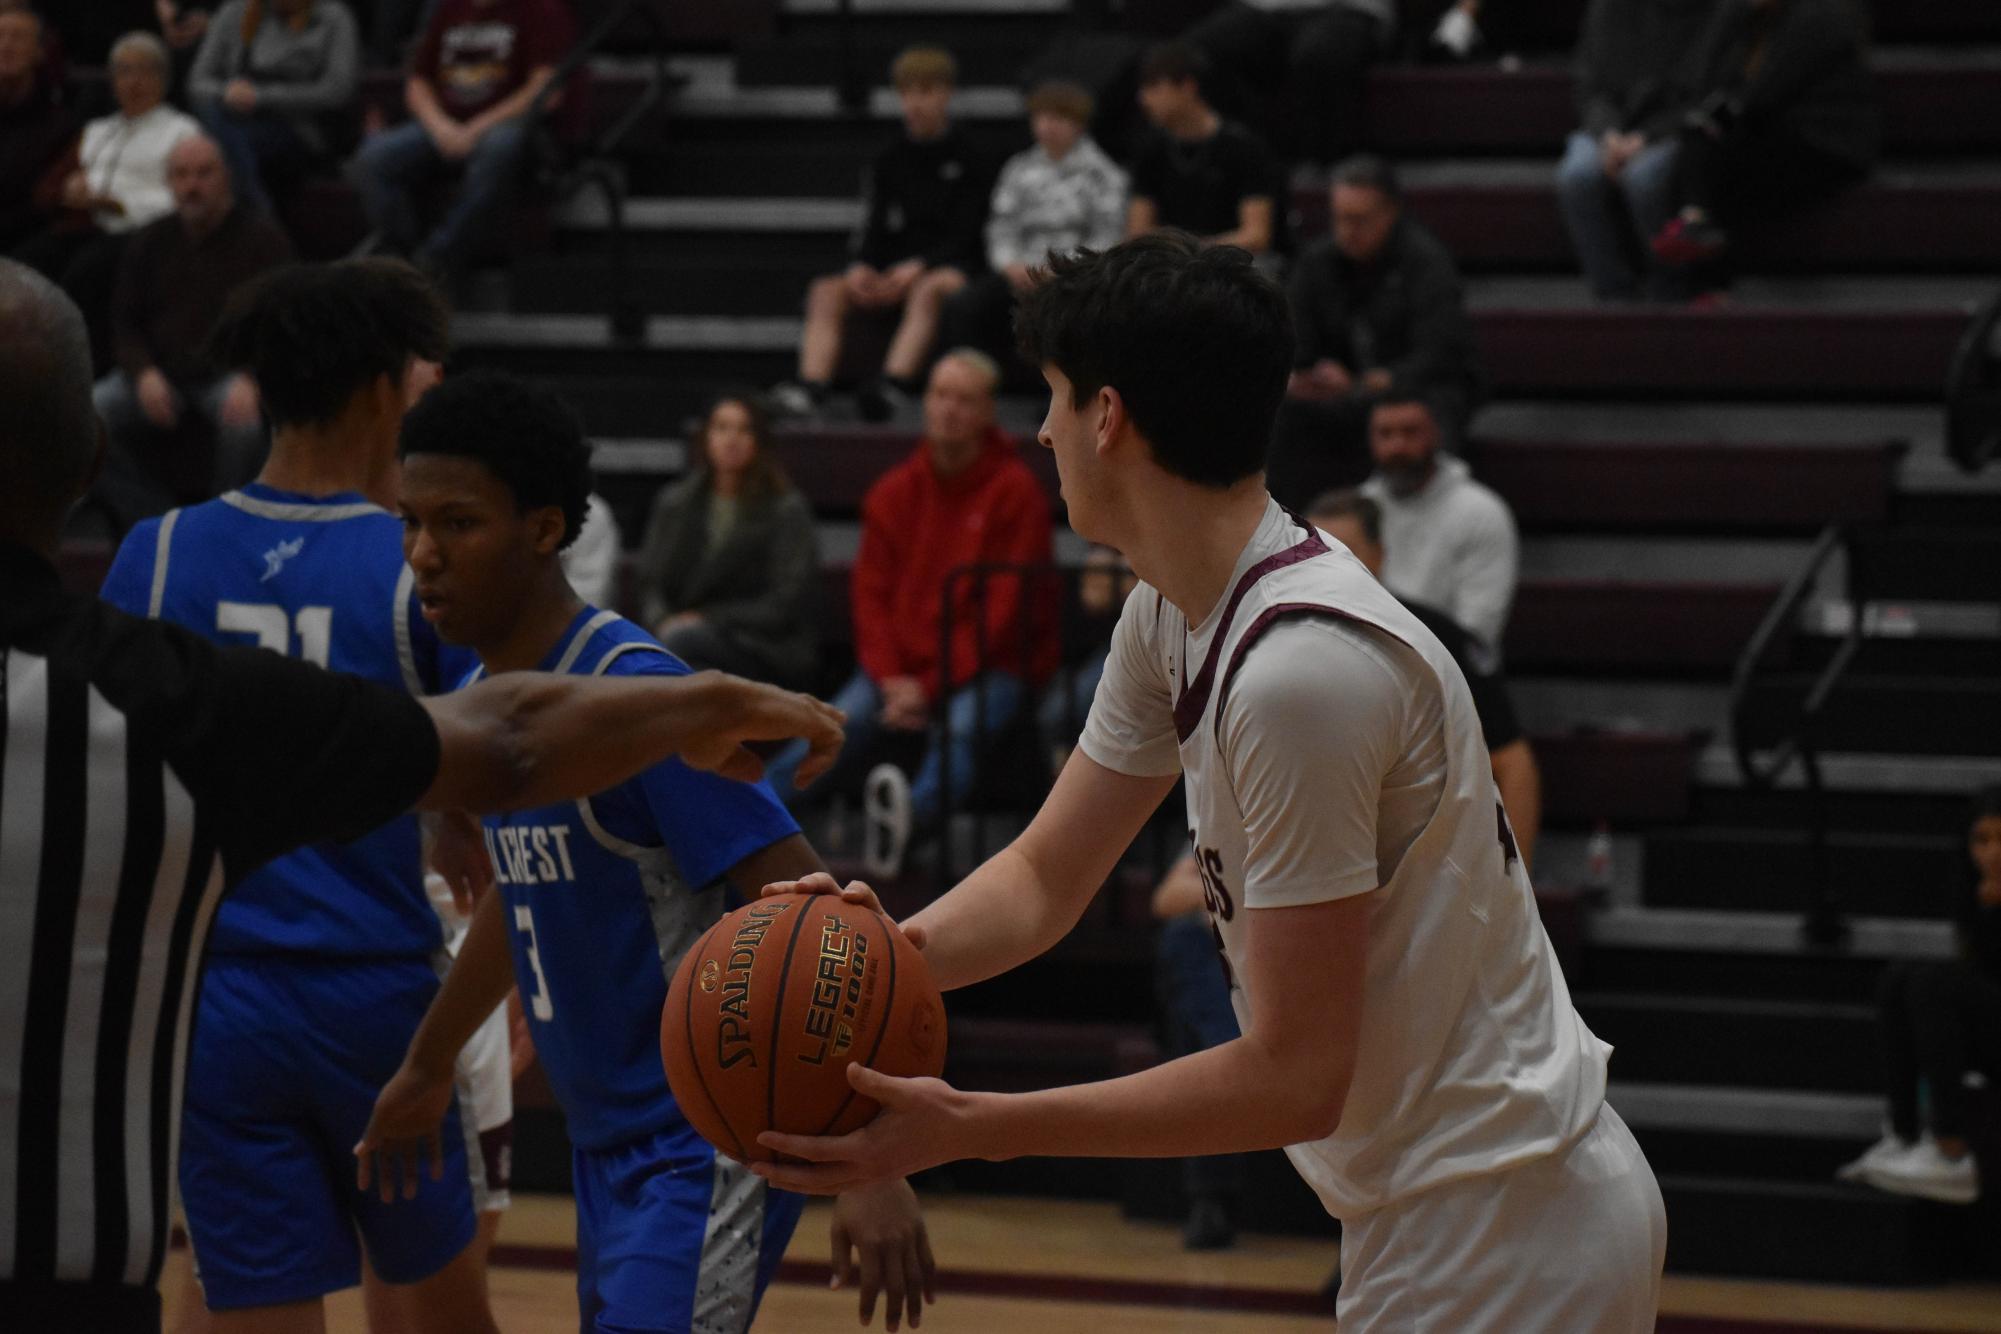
(529, 739)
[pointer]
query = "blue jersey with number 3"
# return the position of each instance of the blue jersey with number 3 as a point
(604, 897)
(322, 579)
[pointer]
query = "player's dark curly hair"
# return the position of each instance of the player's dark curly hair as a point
(1197, 342)
(315, 335)
(521, 433)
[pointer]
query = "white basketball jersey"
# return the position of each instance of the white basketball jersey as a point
(1472, 1058)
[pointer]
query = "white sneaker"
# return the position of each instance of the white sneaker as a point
(1457, 33)
(792, 399)
(1882, 1151)
(886, 811)
(1924, 1171)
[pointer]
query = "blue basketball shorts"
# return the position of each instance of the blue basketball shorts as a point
(673, 1238)
(288, 1056)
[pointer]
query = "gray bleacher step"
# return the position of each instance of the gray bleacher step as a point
(1663, 559)
(664, 333)
(1829, 293)
(1912, 775)
(1812, 1113)
(1550, 704)
(1719, 931)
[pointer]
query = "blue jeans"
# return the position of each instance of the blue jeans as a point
(1067, 704)
(955, 747)
(260, 149)
(1613, 218)
(396, 163)
(1194, 995)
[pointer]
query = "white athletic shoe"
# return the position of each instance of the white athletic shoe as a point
(1882, 1151)
(886, 811)
(1457, 33)
(1923, 1170)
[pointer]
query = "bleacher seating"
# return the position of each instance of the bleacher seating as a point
(1745, 1062)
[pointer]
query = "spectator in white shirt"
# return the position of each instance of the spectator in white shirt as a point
(1064, 194)
(1450, 541)
(116, 181)
(591, 562)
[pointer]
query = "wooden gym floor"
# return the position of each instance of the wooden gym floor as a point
(1052, 1267)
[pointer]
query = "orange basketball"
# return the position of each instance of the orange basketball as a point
(768, 1010)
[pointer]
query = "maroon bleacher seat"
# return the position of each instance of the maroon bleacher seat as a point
(1605, 624)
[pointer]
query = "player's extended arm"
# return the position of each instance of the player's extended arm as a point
(410, 1110)
(1028, 896)
(529, 738)
(1285, 1081)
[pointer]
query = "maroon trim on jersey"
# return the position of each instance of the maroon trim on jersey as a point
(1194, 697)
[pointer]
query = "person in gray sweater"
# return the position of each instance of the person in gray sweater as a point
(276, 84)
(730, 561)
(1634, 81)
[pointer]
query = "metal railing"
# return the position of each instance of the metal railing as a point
(1049, 606)
(1799, 742)
(566, 171)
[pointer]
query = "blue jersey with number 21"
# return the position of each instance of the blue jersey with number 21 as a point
(323, 579)
(605, 896)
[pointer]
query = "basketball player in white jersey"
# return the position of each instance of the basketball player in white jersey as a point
(1407, 1037)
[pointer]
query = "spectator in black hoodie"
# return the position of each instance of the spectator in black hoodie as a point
(1616, 180)
(923, 238)
(1378, 309)
(1941, 1026)
(1786, 114)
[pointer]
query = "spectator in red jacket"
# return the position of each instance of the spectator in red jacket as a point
(964, 497)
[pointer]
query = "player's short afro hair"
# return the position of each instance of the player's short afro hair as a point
(521, 433)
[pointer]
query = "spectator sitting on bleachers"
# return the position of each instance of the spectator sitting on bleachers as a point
(276, 85)
(1786, 115)
(1942, 1028)
(925, 204)
(113, 182)
(1198, 171)
(183, 24)
(1064, 194)
(52, 65)
(173, 282)
(35, 126)
(730, 564)
(1378, 309)
(1616, 180)
(1298, 66)
(1102, 589)
(963, 498)
(591, 562)
(477, 69)
(1450, 542)
(1193, 994)
(1356, 521)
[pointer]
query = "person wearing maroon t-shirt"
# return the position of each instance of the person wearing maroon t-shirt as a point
(477, 69)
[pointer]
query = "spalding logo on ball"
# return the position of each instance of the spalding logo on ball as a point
(771, 1006)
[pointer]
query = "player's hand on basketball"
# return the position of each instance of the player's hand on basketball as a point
(921, 1125)
(854, 892)
(880, 1246)
(406, 1125)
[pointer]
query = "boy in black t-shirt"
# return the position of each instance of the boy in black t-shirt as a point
(1200, 173)
(921, 239)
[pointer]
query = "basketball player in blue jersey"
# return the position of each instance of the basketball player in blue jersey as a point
(322, 963)
(597, 900)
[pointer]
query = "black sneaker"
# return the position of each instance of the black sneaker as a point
(1209, 1227)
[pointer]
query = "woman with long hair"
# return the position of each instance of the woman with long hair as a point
(727, 569)
(277, 84)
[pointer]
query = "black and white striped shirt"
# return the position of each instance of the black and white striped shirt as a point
(145, 769)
